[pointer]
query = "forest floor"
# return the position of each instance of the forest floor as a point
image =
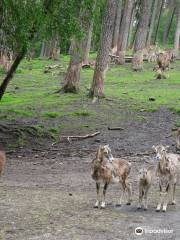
(47, 191)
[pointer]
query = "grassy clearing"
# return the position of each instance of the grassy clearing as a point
(31, 94)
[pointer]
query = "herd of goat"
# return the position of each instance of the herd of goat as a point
(106, 169)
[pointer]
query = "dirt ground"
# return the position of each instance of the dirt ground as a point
(47, 192)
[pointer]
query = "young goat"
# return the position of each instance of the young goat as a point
(167, 170)
(145, 179)
(2, 161)
(106, 169)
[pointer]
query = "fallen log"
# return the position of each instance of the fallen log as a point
(128, 59)
(77, 137)
(115, 128)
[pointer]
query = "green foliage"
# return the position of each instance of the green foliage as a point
(35, 97)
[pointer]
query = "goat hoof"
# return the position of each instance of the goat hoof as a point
(139, 208)
(164, 210)
(173, 203)
(128, 203)
(145, 209)
(95, 206)
(157, 210)
(102, 207)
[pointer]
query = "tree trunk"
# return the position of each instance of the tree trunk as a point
(102, 60)
(87, 43)
(158, 21)
(117, 24)
(168, 26)
(1, 12)
(124, 30)
(142, 31)
(131, 29)
(140, 42)
(177, 33)
(72, 78)
(42, 50)
(11, 71)
(154, 13)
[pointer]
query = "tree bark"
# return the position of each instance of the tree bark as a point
(177, 33)
(168, 26)
(142, 31)
(140, 42)
(117, 24)
(124, 30)
(42, 50)
(1, 12)
(102, 61)
(11, 71)
(72, 78)
(154, 13)
(158, 21)
(131, 29)
(87, 43)
(88, 39)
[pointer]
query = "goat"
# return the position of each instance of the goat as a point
(106, 169)
(163, 61)
(2, 161)
(167, 171)
(145, 180)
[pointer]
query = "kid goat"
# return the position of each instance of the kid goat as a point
(105, 169)
(167, 170)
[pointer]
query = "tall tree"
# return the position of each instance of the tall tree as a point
(131, 28)
(117, 24)
(152, 22)
(72, 78)
(88, 38)
(177, 33)
(140, 42)
(87, 43)
(21, 21)
(102, 60)
(167, 27)
(160, 9)
(124, 30)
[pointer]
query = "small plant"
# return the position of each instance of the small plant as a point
(177, 123)
(50, 115)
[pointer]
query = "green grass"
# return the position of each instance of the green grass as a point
(31, 93)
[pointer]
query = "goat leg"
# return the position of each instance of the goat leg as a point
(140, 199)
(103, 204)
(129, 191)
(166, 198)
(98, 200)
(146, 199)
(173, 202)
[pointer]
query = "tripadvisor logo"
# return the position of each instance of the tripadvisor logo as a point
(139, 231)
